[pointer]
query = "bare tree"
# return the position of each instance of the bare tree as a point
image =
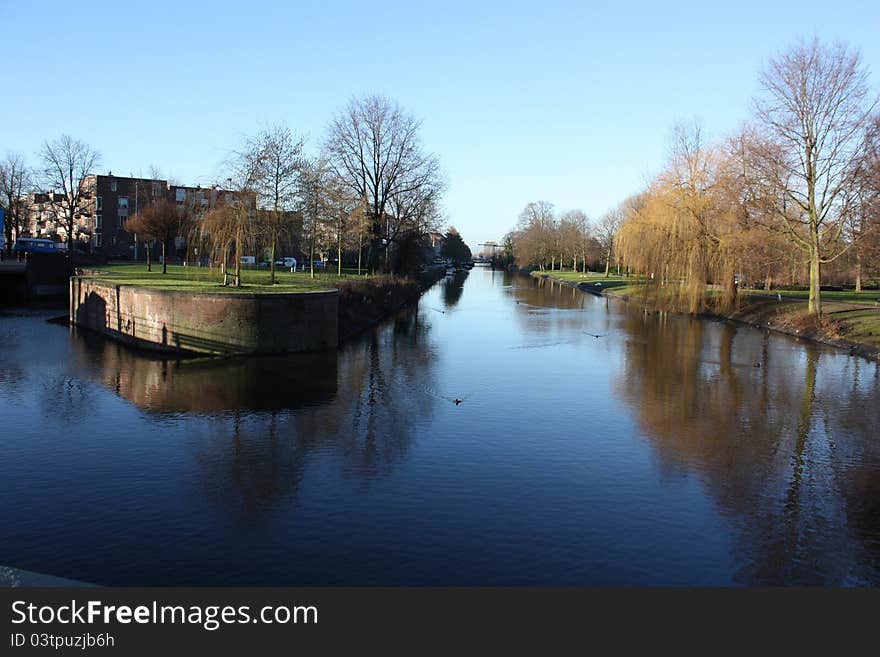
(316, 187)
(573, 228)
(277, 154)
(374, 147)
(606, 232)
(414, 212)
(815, 105)
(15, 182)
(162, 221)
(66, 162)
(536, 227)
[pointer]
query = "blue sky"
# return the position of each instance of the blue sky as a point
(569, 102)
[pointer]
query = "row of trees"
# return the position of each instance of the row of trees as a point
(550, 240)
(371, 194)
(794, 191)
(793, 197)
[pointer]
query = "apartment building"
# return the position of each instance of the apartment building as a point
(109, 202)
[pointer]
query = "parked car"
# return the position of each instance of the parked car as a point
(248, 260)
(35, 245)
(287, 263)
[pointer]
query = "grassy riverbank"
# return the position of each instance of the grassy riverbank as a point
(206, 279)
(843, 321)
(850, 319)
(617, 284)
(865, 297)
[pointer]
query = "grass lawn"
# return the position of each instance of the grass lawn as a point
(865, 296)
(619, 284)
(855, 323)
(860, 325)
(206, 279)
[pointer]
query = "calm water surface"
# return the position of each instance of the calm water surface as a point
(657, 454)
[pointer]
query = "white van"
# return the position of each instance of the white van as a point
(248, 260)
(287, 263)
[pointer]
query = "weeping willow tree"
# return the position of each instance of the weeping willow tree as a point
(227, 231)
(219, 231)
(232, 223)
(682, 236)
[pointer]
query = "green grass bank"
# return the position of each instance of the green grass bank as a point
(850, 320)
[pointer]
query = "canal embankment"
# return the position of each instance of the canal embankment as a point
(365, 302)
(204, 322)
(853, 327)
(186, 314)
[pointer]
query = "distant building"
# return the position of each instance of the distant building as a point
(113, 200)
(44, 218)
(109, 202)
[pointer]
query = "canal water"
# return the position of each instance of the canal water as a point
(657, 454)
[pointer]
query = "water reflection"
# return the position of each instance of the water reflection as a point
(382, 376)
(212, 385)
(453, 287)
(669, 451)
(771, 439)
(265, 415)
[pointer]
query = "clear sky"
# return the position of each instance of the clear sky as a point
(569, 102)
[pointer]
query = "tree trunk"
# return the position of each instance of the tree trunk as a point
(858, 270)
(814, 306)
(339, 249)
(360, 251)
(272, 249)
(312, 256)
(768, 281)
(149, 264)
(164, 259)
(237, 282)
(607, 263)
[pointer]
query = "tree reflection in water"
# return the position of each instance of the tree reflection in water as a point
(772, 440)
(453, 287)
(262, 416)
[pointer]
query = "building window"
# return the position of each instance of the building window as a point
(123, 201)
(157, 189)
(123, 215)
(98, 221)
(99, 206)
(113, 186)
(180, 195)
(97, 239)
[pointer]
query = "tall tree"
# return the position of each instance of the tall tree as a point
(15, 182)
(537, 224)
(316, 185)
(573, 229)
(66, 162)
(374, 147)
(454, 247)
(815, 104)
(277, 153)
(606, 233)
